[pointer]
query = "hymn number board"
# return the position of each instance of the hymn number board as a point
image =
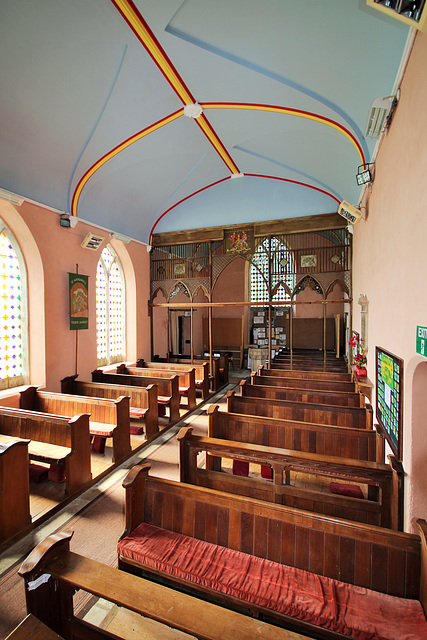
(389, 378)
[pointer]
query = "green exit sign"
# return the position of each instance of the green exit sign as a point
(422, 341)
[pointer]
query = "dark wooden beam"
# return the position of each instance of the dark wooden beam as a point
(319, 222)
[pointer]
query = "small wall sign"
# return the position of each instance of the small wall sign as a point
(422, 341)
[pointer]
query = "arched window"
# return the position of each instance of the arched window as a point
(271, 259)
(110, 309)
(13, 324)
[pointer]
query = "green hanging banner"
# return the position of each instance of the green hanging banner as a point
(78, 297)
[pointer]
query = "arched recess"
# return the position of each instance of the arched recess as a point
(200, 318)
(35, 293)
(309, 291)
(415, 444)
(160, 344)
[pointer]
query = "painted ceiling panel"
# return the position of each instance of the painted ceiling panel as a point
(77, 82)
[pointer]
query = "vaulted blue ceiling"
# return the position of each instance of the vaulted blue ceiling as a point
(77, 82)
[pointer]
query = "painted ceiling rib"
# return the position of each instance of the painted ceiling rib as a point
(136, 22)
(113, 152)
(249, 175)
(316, 117)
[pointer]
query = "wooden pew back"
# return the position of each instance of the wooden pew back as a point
(277, 392)
(306, 375)
(342, 550)
(359, 444)
(72, 433)
(309, 383)
(167, 386)
(187, 377)
(201, 371)
(102, 411)
(352, 417)
(139, 397)
(309, 491)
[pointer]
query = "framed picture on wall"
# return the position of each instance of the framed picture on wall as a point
(179, 269)
(309, 260)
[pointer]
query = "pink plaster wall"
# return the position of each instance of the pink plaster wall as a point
(232, 286)
(389, 267)
(59, 251)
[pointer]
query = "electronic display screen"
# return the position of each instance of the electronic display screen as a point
(389, 386)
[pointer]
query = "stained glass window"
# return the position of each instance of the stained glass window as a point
(110, 309)
(272, 260)
(12, 331)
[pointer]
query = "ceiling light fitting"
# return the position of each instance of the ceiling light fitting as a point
(65, 220)
(364, 174)
(118, 236)
(193, 110)
(13, 198)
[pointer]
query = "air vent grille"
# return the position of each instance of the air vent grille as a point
(92, 241)
(377, 115)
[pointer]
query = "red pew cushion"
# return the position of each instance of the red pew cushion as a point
(240, 468)
(354, 611)
(350, 490)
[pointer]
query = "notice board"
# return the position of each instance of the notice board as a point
(389, 385)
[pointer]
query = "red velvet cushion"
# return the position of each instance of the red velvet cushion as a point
(98, 444)
(57, 473)
(266, 472)
(101, 429)
(350, 490)
(354, 611)
(37, 472)
(136, 429)
(137, 412)
(240, 468)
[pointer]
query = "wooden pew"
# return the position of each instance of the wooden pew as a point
(275, 391)
(234, 546)
(143, 400)
(308, 365)
(108, 418)
(143, 609)
(358, 444)
(201, 372)
(333, 415)
(306, 375)
(14, 487)
(219, 375)
(55, 440)
(282, 471)
(309, 383)
(187, 379)
(167, 388)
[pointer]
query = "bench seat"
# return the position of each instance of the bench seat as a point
(343, 608)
